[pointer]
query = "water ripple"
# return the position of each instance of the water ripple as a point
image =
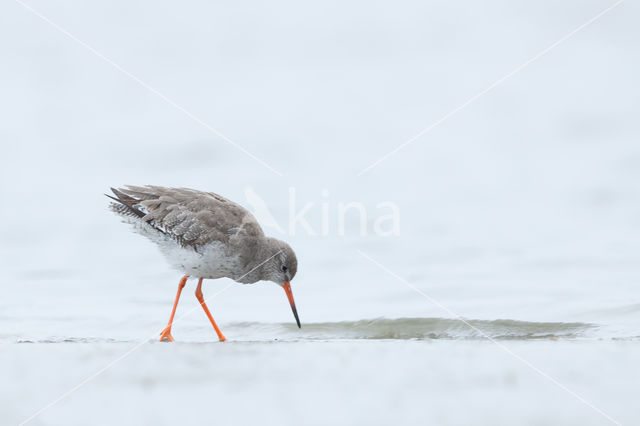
(421, 328)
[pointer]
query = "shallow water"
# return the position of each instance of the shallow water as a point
(389, 329)
(419, 329)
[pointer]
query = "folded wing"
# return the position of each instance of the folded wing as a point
(193, 218)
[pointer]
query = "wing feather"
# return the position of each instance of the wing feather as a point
(193, 218)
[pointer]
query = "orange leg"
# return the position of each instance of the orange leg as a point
(206, 310)
(166, 333)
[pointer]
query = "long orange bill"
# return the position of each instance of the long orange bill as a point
(287, 289)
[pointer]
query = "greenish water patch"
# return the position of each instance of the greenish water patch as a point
(421, 329)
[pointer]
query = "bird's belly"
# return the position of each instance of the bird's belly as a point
(212, 263)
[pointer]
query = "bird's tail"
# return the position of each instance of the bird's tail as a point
(124, 205)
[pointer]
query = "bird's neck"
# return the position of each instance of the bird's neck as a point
(260, 260)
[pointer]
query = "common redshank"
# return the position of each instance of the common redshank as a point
(206, 236)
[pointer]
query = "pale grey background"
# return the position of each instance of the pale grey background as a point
(523, 206)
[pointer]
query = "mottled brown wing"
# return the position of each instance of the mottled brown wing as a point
(193, 218)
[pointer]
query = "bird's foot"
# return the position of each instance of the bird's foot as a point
(166, 336)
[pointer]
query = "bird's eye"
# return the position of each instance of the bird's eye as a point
(284, 268)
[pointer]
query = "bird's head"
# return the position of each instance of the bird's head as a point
(281, 268)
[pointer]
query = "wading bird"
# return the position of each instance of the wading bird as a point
(206, 236)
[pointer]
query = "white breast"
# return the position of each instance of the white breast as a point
(210, 262)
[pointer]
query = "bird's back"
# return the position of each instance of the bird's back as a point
(194, 229)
